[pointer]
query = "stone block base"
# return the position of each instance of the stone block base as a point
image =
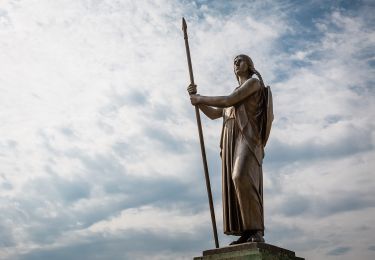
(249, 251)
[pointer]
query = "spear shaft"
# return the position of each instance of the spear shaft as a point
(203, 151)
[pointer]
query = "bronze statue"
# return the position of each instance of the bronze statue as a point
(247, 117)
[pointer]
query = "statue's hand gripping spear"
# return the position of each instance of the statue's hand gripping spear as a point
(203, 151)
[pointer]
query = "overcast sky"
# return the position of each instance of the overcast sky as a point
(99, 151)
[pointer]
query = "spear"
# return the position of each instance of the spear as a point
(203, 151)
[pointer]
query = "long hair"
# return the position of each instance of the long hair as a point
(262, 105)
(251, 69)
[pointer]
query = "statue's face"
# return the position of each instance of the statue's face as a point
(240, 66)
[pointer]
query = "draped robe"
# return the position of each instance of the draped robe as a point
(242, 154)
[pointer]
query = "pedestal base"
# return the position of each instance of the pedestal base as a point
(249, 251)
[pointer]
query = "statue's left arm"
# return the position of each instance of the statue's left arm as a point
(246, 89)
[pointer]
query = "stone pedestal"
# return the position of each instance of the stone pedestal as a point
(249, 251)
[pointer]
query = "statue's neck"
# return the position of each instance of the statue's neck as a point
(242, 79)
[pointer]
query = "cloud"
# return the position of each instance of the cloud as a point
(349, 140)
(294, 205)
(100, 156)
(141, 245)
(134, 233)
(57, 187)
(7, 239)
(339, 250)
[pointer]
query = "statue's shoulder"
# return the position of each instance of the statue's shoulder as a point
(252, 83)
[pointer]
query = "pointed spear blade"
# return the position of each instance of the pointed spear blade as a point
(184, 26)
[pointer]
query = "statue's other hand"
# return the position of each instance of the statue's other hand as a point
(192, 89)
(195, 99)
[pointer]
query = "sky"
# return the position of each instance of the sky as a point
(99, 149)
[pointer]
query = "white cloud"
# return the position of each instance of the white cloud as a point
(98, 136)
(152, 219)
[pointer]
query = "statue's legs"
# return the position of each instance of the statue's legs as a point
(247, 180)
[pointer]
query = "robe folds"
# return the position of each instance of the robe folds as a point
(242, 154)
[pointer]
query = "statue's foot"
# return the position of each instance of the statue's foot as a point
(256, 237)
(242, 239)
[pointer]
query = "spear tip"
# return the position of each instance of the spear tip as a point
(184, 26)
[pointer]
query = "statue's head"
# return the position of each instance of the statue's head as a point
(249, 69)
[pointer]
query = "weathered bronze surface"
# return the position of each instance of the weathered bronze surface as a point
(247, 117)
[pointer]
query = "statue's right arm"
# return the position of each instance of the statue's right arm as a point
(211, 112)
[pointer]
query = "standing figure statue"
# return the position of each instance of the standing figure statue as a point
(247, 117)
